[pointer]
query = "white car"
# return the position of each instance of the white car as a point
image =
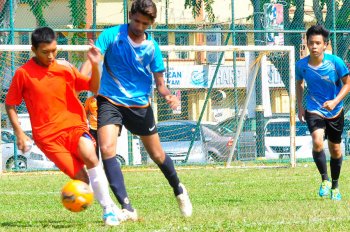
(277, 140)
(33, 159)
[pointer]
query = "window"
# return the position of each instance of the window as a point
(182, 38)
(161, 37)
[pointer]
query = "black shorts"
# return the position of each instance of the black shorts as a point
(333, 126)
(139, 121)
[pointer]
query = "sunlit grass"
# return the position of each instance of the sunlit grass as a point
(236, 199)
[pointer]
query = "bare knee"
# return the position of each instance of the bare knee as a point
(318, 146)
(335, 151)
(107, 150)
(158, 158)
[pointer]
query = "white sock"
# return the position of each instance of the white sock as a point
(99, 184)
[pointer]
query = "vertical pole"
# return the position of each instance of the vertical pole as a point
(12, 36)
(292, 110)
(260, 139)
(125, 7)
(94, 19)
(334, 30)
(167, 38)
(12, 41)
(235, 91)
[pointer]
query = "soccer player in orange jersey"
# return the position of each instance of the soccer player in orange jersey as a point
(48, 87)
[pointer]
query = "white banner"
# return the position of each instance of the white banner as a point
(187, 76)
(200, 76)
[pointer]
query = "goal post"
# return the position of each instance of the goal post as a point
(210, 91)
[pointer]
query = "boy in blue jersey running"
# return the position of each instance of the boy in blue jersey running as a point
(131, 60)
(328, 82)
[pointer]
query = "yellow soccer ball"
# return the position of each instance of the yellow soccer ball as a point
(76, 196)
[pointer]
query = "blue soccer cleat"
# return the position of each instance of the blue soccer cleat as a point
(325, 188)
(335, 194)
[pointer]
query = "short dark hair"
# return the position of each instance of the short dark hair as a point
(317, 30)
(42, 35)
(145, 7)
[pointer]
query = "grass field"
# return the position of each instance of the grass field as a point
(237, 199)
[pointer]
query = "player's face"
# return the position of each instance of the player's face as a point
(45, 53)
(316, 45)
(139, 23)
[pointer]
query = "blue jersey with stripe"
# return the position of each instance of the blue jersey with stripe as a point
(323, 82)
(127, 68)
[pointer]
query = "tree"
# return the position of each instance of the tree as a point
(197, 5)
(37, 7)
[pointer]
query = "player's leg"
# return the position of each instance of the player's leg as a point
(98, 180)
(108, 121)
(141, 121)
(63, 151)
(334, 130)
(316, 125)
(97, 147)
(166, 165)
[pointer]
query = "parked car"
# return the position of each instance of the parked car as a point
(277, 140)
(33, 159)
(246, 146)
(176, 137)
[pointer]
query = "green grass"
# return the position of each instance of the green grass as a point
(236, 199)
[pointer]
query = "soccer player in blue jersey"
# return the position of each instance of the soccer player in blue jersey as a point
(132, 59)
(328, 82)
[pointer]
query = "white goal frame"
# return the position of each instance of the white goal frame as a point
(229, 48)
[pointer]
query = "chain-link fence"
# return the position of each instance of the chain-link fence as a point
(189, 74)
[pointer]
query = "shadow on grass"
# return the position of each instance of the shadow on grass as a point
(47, 224)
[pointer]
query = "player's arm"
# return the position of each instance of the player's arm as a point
(330, 105)
(171, 99)
(94, 56)
(14, 97)
(300, 94)
(22, 139)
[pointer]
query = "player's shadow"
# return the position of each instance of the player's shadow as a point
(56, 224)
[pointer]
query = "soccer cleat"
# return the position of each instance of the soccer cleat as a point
(110, 218)
(184, 202)
(325, 188)
(125, 215)
(128, 215)
(335, 194)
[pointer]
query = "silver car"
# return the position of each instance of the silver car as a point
(176, 137)
(33, 159)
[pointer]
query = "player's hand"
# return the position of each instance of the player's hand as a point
(172, 101)
(329, 105)
(94, 53)
(24, 143)
(301, 115)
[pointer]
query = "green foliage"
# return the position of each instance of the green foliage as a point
(236, 199)
(36, 7)
(78, 16)
(196, 6)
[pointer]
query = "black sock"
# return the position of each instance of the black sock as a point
(168, 169)
(335, 170)
(116, 181)
(321, 163)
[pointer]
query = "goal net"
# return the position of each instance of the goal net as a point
(237, 103)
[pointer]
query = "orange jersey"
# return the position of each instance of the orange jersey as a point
(91, 111)
(50, 96)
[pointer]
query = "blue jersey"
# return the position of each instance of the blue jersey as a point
(127, 68)
(323, 82)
